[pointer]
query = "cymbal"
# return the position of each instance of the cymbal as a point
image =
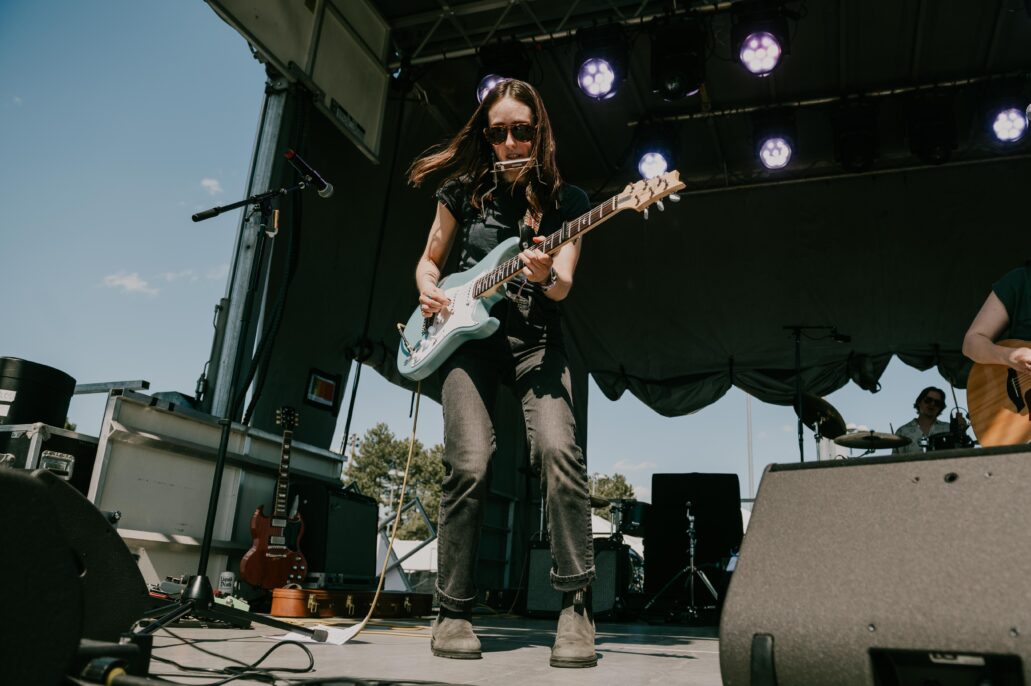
(599, 502)
(820, 416)
(872, 440)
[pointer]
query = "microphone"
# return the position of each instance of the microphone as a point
(324, 187)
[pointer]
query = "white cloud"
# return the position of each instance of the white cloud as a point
(624, 466)
(212, 186)
(131, 283)
(643, 492)
(17, 100)
(218, 272)
(185, 274)
(788, 428)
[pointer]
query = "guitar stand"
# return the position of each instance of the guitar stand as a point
(198, 598)
(692, 573)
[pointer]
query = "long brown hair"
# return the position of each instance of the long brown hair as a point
(469, 154)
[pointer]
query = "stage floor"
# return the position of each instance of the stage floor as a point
(515, 650)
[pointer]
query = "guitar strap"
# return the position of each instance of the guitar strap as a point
(529, 226)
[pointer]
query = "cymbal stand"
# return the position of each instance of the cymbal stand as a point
(616, 522)
(692, 572)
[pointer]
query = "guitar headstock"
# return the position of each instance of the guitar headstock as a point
(287, 418)
(646, 192)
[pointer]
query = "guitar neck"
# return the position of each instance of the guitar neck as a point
(570, 231)
(283, 481)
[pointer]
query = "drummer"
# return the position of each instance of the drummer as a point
(929, 405)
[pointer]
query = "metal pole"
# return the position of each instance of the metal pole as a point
(245, 253)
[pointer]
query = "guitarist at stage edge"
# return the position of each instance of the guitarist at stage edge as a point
(999, 384)
(477, 208)
(1008, 306)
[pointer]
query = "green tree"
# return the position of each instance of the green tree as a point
(378, 470)
(609, 488)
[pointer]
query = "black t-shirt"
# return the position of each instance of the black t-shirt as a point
(480, 231)
(1014, 290)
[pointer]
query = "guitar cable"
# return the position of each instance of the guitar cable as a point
(397, 518)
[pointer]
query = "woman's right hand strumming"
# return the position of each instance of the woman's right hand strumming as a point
(432, 300)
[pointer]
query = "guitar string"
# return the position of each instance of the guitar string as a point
(513, 265)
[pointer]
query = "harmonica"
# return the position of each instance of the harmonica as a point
(508, 165)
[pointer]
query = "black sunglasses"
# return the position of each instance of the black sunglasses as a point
(934, 401)
(496, 135)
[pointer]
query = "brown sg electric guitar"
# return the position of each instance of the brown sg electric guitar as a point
(274, 559)
(999, 398)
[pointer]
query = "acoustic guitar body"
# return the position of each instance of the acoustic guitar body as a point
(999, 397)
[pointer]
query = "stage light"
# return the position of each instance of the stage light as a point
(775, 153)
(597, 78)
(486, 84)
(1009, 124)
(600, 64)
(759, 35)
(773, 133)
(932, 127)
(500, 61)
(678, 57)
(855, 135)
(760, 52)
(654, 146)
(652, 164)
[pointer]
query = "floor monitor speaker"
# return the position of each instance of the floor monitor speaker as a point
(66, 575)
(882, 571)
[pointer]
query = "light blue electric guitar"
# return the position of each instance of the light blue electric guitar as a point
(427, 341)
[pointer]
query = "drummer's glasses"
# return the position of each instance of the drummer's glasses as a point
(496, 135)
(934, 401)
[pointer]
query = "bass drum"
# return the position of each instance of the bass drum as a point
(631, 516)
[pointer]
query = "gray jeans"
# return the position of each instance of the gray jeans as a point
(526, 353)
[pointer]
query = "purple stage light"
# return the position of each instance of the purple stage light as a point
(597, 78)
(760, 52)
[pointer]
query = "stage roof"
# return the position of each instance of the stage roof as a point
(679, 308)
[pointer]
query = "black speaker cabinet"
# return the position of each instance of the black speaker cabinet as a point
(885, 571)
(715, 501)
(612, 565)
(339, 533)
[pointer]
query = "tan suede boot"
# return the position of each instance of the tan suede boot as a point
(574, 639)
(453, 637)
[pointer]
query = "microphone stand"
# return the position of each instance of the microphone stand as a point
(197, 597)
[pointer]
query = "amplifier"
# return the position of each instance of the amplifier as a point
(67, 454)
(339, 533)
(612, 563)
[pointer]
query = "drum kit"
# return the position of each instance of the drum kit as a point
(826, 422)
(627, 516)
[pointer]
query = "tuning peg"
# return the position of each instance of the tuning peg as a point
(662, 208)
(646, 213)
(674, 197)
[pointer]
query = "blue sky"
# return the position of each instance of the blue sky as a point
(118, 120)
